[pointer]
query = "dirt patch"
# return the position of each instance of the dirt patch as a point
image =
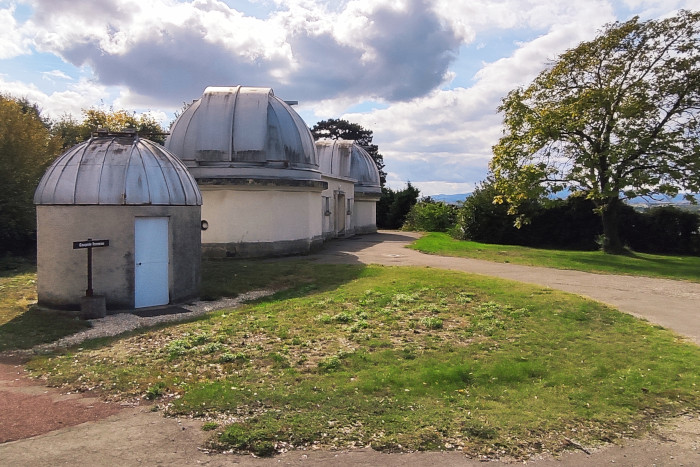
(30, 409)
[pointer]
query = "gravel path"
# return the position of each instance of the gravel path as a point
(113, 325)
(137, 436)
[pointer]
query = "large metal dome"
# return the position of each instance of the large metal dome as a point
(243, 132)
(117, 169)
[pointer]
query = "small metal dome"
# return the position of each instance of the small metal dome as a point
(117, 169)
(343, 158)
(334, 157)
(365, 171)
(248, 129)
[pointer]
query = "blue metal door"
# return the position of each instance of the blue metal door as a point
(151, 278)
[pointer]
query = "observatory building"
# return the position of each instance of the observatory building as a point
(368, 190)
(349, 202)
(126, 219)
(254, 160)
(137, 205)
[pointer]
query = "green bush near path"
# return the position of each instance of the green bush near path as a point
(637, 264)
(397, 359)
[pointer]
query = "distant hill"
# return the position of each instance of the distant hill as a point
(451, 199)
(661, 200)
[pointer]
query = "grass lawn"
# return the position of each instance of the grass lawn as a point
(395, 358)
(638, 264)
(22, 325)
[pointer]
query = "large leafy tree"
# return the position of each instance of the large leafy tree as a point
(343, 129)
(26, 150)
(612, 118)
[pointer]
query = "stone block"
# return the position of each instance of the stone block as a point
(93, 307)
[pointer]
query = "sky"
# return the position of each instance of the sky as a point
(426, 76)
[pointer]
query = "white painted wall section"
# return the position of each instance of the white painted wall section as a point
(260, 215)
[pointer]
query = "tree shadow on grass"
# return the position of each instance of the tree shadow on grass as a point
(22, 326)
(290, 277)
(226, 278)
(36, 326)
(13, 265)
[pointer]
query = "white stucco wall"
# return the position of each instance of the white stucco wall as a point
(365, 215)
(336, 187)
(237, 215)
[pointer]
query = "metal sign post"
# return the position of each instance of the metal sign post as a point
(89, 244)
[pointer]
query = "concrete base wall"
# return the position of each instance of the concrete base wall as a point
(260, 249)
(62, 271)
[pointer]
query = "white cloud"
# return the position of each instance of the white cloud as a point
(50, 75)
(476, 16)
(12, 42)
(77, 96)
(647, 9)
(167, 49)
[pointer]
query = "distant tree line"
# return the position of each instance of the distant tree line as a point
(73, 131)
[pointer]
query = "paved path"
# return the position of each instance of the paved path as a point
(136, 436)
(671, 304)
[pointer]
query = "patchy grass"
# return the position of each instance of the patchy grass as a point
(17, 287)
(399, 359)
(22, 324)
(638, 264)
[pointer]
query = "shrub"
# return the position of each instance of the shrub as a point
(663, 230)
(155, 391)
(431, 216)
(571, 224)
(480, 220)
